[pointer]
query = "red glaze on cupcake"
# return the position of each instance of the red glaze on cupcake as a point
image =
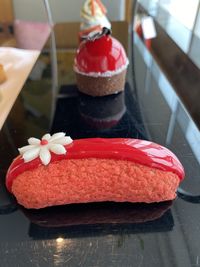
(102, 57)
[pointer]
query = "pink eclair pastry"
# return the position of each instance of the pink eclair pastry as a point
(57, 170)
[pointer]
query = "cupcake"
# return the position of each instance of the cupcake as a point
(100, 65)
(102, 113)
(93, 18)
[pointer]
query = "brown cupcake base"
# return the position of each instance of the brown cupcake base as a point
(101, 86)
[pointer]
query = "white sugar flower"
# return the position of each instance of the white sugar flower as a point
(42, 148)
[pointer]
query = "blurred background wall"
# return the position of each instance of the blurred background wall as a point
(34, 10)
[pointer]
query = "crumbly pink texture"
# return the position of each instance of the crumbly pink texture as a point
(93, 180)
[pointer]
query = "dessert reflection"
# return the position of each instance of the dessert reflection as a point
(102, 113)
(93, 219)
(108, 116)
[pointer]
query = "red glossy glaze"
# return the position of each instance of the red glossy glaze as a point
(138, 151)
(101, 55)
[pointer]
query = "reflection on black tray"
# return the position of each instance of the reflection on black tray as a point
(79, 220)
(102, 113)
(82, 116)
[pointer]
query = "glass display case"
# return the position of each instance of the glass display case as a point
(160, 103)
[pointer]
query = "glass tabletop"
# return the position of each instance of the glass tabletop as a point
(102, 234)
